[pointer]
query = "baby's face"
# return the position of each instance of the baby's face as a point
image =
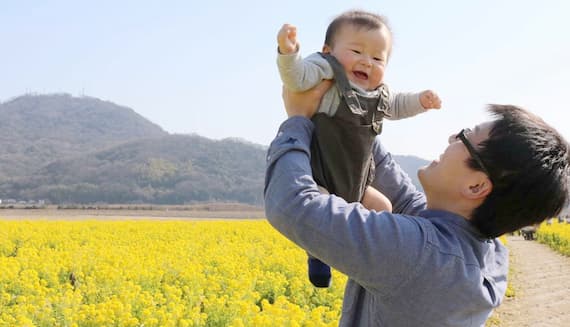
(363, 53)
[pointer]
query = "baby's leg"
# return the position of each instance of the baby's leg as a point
(375, 200)
(319, 272)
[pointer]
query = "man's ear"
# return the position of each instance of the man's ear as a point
(478, 188)
(326, 49)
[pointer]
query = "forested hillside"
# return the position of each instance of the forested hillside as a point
(37, 129)
(66, 149)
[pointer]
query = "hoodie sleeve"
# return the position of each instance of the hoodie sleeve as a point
(300, 74)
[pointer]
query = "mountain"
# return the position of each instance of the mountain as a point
(172, 169)
(66, 149)
(37, 129)
(411, 164)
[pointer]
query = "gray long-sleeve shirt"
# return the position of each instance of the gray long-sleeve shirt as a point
(300, 74)
(418, 268)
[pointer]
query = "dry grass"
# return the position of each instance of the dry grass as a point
(119, 212)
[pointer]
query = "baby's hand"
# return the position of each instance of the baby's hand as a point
(287, 39)
(430, 100)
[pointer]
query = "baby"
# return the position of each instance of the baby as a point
(356, 50)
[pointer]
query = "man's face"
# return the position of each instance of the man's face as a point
(446, 178)
(363, 53)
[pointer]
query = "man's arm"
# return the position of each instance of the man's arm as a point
(395, 184)
(378, 250)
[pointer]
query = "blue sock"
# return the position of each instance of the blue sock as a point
(319, 273)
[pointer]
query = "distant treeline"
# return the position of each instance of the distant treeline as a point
(65, 150)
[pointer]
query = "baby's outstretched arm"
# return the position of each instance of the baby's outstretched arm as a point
(287, 39)
(430, 100)
(298, 73)
(407, 104)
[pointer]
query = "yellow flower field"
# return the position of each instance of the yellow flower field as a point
(157, 273)
(555, 235)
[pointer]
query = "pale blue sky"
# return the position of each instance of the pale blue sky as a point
(208, 67)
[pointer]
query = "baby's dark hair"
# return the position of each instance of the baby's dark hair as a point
(358, 19)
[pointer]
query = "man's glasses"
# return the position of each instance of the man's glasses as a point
(473, 152)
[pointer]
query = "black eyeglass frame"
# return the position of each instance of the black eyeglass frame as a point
(471, 149)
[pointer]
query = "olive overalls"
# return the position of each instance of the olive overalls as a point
(341, 148)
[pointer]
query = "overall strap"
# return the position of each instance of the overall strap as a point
(382, 109)
(343, 84)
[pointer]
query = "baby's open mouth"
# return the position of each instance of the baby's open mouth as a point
(360, 75)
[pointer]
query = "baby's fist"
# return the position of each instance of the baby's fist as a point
(287, 39)
(430, 100)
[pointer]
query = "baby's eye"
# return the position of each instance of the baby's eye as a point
(355, 51)
(378, 59)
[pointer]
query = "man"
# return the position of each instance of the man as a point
(435, 261)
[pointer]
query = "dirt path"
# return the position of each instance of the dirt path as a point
(541, 279)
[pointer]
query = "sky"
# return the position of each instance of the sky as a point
(209, 67)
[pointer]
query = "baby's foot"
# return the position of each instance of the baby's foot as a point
(319, 273)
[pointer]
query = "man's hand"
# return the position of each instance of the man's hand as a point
(305, 103)
(323, 190)
(430, 100)
(287, 39)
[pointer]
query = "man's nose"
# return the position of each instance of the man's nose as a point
(452, 138)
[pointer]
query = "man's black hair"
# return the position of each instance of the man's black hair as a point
(529, 164)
